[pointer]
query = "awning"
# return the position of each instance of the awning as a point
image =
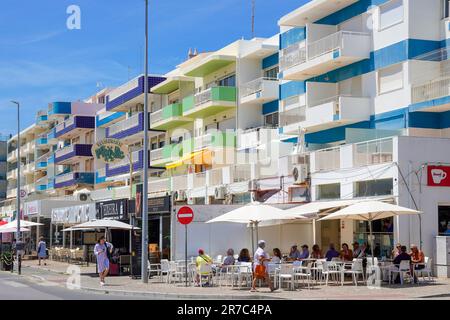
(199, 157)
(314, 208)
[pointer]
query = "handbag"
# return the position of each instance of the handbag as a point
(260, 271)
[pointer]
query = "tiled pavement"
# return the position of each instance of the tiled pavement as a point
(57, 273)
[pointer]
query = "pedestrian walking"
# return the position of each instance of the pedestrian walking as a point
(102, 251)
(260, 261)
(42, 251)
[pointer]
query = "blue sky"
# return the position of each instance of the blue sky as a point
(42, 61)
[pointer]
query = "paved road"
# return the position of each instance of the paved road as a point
(30, 286)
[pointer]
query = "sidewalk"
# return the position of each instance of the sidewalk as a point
(124, 285)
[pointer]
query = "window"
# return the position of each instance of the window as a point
(229, 81)
(446, 8)
(329, 191)
(390, 78)
(271, 73)
(373, 188)
(444, 220)
(391, 14)
(271, 119)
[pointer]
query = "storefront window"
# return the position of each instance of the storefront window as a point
(444, 220)
(383, 235)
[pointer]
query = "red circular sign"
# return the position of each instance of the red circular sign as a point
(185, 215)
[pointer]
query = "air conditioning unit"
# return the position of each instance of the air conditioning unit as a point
(220, 193)
(180, 196)
(253, 185)
(300, 173)
(83, 196)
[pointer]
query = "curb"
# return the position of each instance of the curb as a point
(168, 296)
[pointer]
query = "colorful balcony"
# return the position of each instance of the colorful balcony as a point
(73, 153)
(108, 118)
(169, 153)
(41, 165)
(59, 109)
(261, 90)
(74, 180)
(42, 142)
(172, 84)
(215, 140)
(100, 175)
(123, 167)
(324, 55)
(208, 65)
(170, 116)
(42, 118)
(130, 94)
(51, 137)
(209, 102)
(74, 126)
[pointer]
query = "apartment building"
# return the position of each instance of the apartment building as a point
(363, 91)
(3, 167)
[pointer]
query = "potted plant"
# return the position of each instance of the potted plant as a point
(6, 259)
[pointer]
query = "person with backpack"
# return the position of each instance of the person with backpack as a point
(102, 251)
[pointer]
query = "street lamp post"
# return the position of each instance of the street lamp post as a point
(18, 184)
(144, 262)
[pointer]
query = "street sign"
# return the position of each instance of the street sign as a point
(185, 215)
(23, 194)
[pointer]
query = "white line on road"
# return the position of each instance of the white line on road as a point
(15, 284)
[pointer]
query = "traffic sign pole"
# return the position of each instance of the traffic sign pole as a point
(185, 216)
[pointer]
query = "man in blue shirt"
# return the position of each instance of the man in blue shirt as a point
(331, 253)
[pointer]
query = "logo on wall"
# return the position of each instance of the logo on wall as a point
(109, 151)
(439, 176)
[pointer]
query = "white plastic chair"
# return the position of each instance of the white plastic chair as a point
(355, 271)
(205, 271)
(218, 259)
(165, 270)
(286, 274)
(404, 270)
(174, 272)
(425, 271)
(272, 270)
(244, 273)
(304, 273)
(331, 270)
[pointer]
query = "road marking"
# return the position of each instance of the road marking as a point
(41, 281)
(15, 284)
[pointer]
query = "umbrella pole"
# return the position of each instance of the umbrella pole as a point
(371, 241)
(257, 232)
(253, 240)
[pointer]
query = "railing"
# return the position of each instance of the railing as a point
(215, 177)
(156, 116)
(203, 97)
(202, 142)
(44, 157)
(431, 90)
(159, 185)
(123, 89)
(199, 179)
(373, 152)
(254, 86)
(64, 177)
(60, 127)
(180, 182)
(156, 154)
(241, 172)
(292, 56)
(124, 124)
(292, 116)
(126, 161)
(330, 43)
(328, 159)
(64, 151)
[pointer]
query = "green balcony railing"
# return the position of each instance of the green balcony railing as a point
(214, 94)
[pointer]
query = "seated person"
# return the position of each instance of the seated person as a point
(305, 252)
(403, 256)
(316, 252)
(229, 259)
(294, 254)
(202, 259)
(396, 251)
(346, 254)
(417, 257)
(331, 253)
(244, 256)
(277, 258)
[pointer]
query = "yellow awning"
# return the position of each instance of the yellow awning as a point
(199, 157)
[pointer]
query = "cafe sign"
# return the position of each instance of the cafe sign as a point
(438, 176)
(109, 151)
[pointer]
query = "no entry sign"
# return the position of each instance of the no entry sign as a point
(185, 215)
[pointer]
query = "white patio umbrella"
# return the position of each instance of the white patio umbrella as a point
(253, 214)
(102, 224)
(12, 230)
(370, 211)
(23, 223)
